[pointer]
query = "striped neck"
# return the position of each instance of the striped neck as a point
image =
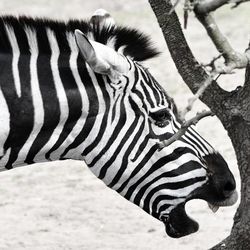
(50, 100)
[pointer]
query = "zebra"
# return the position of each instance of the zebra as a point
(78, 90)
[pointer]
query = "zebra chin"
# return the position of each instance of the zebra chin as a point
(178, 223)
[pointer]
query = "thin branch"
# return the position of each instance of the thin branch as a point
(184, 128)
(212, 63)
(198, 94)
(185, 17)
(206, 6)
(188, 6)
(174, 7)
(233, 59)
(238, 2)
(219, 40)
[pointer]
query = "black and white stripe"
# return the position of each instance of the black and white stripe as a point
(54, 106)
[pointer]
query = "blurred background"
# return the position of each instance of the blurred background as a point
(61, 205)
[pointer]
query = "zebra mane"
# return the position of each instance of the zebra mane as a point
(129, 41)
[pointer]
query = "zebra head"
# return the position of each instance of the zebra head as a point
(138, 116)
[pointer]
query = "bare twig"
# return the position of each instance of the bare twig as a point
(238, 2)
(206, 6)
(198, 94)
(174, 7)
(185, 18)
(212, 63)
(184, 128)
(187, 7)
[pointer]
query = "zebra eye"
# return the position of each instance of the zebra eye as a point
(161, 117)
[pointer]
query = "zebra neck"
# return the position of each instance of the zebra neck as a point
(49, 102)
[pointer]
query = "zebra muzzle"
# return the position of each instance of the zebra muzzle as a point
(226, 203)
(179, 224)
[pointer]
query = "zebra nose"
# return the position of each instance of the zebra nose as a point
(224, 184)
(229, 187)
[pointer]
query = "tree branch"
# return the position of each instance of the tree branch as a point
(197, 95)
(232, 58)
(192, 73)
(184, 128)
(238, 2)
(206, 6)
(174, 7)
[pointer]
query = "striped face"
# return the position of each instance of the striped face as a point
(129, 160)
(160, 179)
(132, 163)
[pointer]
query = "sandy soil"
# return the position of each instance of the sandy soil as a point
(61, 205)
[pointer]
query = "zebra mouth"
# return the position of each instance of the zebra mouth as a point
(179, 224)
(214, 206)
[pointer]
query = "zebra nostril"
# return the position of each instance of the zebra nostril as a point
(229, 188)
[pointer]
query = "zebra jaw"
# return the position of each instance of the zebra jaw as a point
(179, 224)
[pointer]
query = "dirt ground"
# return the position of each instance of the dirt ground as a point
(61, 205)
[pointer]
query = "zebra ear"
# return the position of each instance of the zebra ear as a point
(101, 58)
(100, 19)
(89, 54)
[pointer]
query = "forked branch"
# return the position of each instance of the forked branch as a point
(233, 59)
